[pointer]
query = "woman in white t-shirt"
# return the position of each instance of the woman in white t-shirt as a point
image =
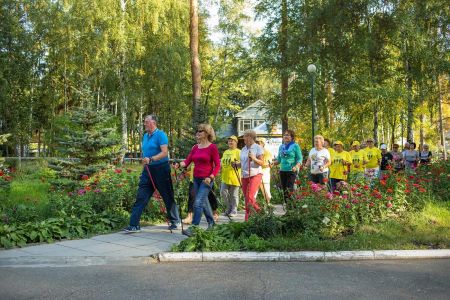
(411, 157)
(252, 158)
(318, 159)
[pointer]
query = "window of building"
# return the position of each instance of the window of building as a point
(245, 124)
(256, 123)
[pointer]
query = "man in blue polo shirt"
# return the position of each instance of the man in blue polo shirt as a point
(155, 157)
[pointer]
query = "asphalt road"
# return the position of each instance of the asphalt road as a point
(405, 279)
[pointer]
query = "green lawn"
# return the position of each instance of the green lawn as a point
(29, 191)
(427, 229)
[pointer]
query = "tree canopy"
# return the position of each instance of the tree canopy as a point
(382, 66)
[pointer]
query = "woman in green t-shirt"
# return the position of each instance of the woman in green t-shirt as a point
(290, 159)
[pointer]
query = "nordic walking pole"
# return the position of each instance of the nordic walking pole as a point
(235, 168)
(162, 208)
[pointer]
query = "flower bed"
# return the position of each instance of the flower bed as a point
(317, 214)
(75, 209)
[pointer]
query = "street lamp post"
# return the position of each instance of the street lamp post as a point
(312, 72)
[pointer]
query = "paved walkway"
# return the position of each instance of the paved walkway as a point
(101, 249)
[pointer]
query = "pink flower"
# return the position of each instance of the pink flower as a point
(389, 205)
(329, 195)
(97, 191)
(348, 205)
(81, 192)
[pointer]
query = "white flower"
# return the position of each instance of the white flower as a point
(326, 220)
(305, 206)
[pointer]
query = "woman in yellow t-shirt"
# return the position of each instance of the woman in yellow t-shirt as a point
(358, 162)
(373, 159)
(340, 162)
(229, 189)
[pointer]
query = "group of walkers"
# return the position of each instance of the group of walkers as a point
(248, 169)
(364, 160)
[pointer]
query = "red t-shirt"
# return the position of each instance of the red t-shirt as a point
(206, 160)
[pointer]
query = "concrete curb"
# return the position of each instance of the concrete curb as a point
(302, 256)
(79, 261)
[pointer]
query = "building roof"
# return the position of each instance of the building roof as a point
(256, 110)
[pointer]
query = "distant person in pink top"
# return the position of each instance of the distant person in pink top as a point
(206, 159)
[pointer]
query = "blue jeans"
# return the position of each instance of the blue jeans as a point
(201, 202)
(163, 183)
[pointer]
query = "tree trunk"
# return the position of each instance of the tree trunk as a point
(196, 71)
(284, 66)
(421, 131)
(375, 125)
(441, 125)
(393, 125)
(124, 100)
(329, 118)
(39, 143)
(409, 86)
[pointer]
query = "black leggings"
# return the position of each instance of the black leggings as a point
(211, 197)
(287, 183)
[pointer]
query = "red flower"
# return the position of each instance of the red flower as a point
(366, 187)
(118, 171)
(84, 177)
(325, 180)
(348, 205)
(383, 182)
(371, 204)
(389, 190)
(389, 205)
(1, 173)
(389, 198)
(407, 191)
